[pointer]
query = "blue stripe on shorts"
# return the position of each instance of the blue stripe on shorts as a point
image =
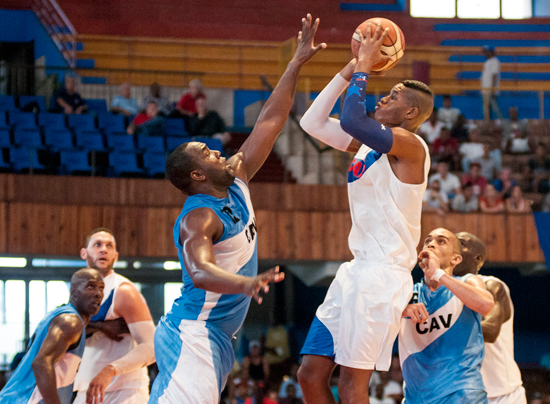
(319, 340)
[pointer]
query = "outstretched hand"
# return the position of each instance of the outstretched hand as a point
(261, 283)
(306, 49)
(429, 263)
(370, 50)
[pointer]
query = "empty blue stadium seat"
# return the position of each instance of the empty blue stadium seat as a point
(51, 120)
(5, 138)
(81, 122)
(175, 127)
(124, 163)
(89, 140)
(151, 143)
(58, 139)
(154, 163)
(73, 161)
(4, 121)
(211, 143)
(172, 143)
(111, 122)
(122, 142)
(27, 137)
(27, 99)
(23, 158)
(96, 105)
(7, 103)
(22, 120)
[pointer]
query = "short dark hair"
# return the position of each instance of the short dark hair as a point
(418, 86)
(467, 185)
(179, 166)
(98, 230)
(447, 97)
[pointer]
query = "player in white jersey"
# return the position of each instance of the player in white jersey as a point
(358, 322)
(500, 371)
(120, 347)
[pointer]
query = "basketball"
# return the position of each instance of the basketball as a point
(394, 44)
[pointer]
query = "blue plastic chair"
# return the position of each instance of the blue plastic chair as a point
(211, 143)
(23, 120)
(23, 158)
(111, 123)
(96, 105)
(7, 103)
(81, 122)
(89, 140)
(172, 143)
(151, 144)
(122, 142)
(73, 161)
(58, 139)
(51, 120)
(175, 127)
(124, 163)
(5, 141)
(27, 99)
(4, 121)
(29, 138)
(154, 164)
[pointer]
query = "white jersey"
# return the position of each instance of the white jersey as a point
(100, 350)
(385, 212)
(499, 370)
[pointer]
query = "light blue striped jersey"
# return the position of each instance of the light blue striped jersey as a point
(443, 355)
(21, 388)
(235, 252)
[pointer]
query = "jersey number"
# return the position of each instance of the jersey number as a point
(227, 210)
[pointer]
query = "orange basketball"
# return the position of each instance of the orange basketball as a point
(394, 44)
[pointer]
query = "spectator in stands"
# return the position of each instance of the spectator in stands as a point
(187, 103)
(67, 100)
(208, 123)
(472, 150)
(435, 200)
(431, 129)
(489, 165)
(290, 396)
(504, 183)
(445, 148)
(291, 380)
(163, 105)
(148, 122)
(516, 203)
(512, 125)
(491, 202)
(450, 184)
(466, 201)
(447, 114)
(392, 389)
(460, 131)
(518, 143)
(490, 83)
(259, 395)
(537, 171)
(123, 103)
(254, 365)
(474, 177)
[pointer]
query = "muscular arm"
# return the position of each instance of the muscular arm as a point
(501, 313)
(472, 293)
(65, 330)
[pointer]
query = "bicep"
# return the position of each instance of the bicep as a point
(61, 335)
(198, 232)
(131, 305)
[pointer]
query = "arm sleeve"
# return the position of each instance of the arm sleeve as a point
(357, 123)
(143, 353)
(317, 121)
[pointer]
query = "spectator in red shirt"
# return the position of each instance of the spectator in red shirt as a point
(148, 122)
(474, 177)
(490, 202)
(186, 105)
(445, 148)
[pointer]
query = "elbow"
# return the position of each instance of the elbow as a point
(346, 123)
(306, 123)
(198, 280)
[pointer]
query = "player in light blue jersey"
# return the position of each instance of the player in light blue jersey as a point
(215, 236)
(47, 371)
(440, 341)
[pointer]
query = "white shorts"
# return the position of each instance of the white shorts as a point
(359, 320)
(126, 396)
(515, 397)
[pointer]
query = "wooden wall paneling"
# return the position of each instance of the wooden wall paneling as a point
(491, 231)
(532, 246)
(301, 235)
(285, 236)
(66, 231)
(266, 222)
(156, 238)
(317, 235)
(89, 218)
(126, 223)
(266, 196)
(3, 225)
(514, 233)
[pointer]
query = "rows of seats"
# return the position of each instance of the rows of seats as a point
(83, 144)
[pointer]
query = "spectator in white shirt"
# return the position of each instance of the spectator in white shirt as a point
(450, 183)
(472, 150)
(448, 115)
(489, 165)
(490, 83)
(431, 129)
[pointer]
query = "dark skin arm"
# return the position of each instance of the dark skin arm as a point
(65, 330)
(501, 313)
(113, 329)
(199, 230)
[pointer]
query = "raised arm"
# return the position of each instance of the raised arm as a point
(65, 330)
(274, 114)
(501, 313)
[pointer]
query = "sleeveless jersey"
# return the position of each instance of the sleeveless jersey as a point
(500, 371)
(385, 212)
(235, 252)
(101, 351)
(443, 355)
(21, 388)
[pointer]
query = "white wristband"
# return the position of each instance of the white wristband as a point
(437, 275)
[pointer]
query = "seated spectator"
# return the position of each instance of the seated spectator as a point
(537, 171)
(466, 201)
(471, 150)
(163, 105)
(459, 131)
(518, 143)
(254, 365)
(68, 100)
(504, 183)
(290, 396)
(450, 184)
(435, 200)
(258, 396)
(445, 148)
(489, 165)
(431, 129)
(208, 123)
(475, 178)
(516, 203)
(392, 389)
(187, 103)
(512, 125)
(447, 114)
(490, 202)
(378, 397)
(148, 123)
(291, 380)
(123, 103)
(240, 389)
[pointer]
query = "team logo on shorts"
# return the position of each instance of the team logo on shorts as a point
(358, 166)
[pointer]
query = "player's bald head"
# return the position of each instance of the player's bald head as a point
(477, 246)
(83, 276)
(473, 252)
